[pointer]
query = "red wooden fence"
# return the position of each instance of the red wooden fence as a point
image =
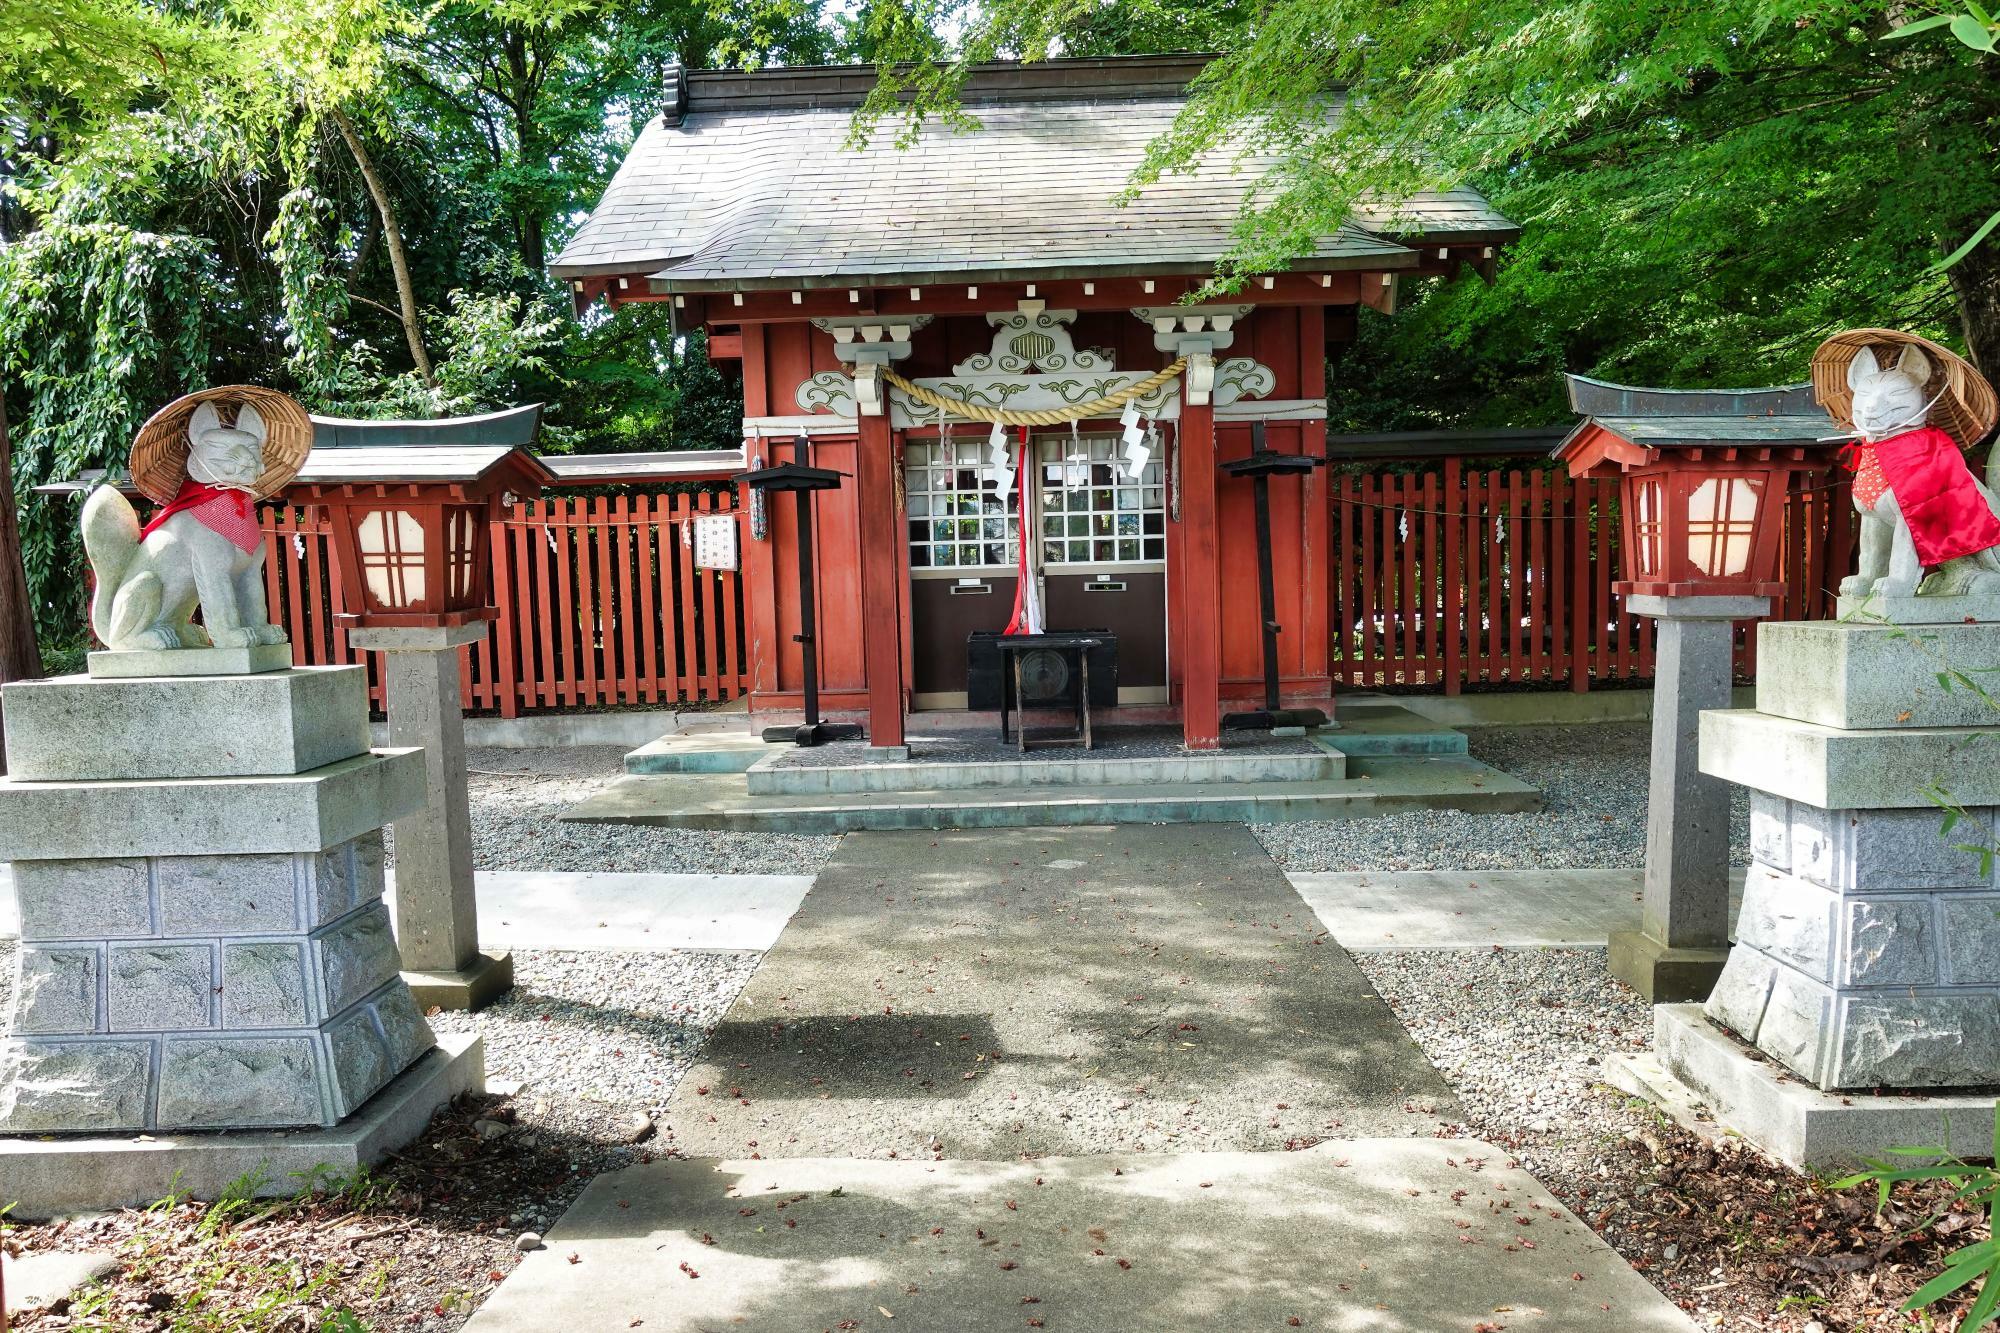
(1477, 577)
(600, 604)
(1439, 579)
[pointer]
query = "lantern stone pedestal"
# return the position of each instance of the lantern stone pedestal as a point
(1868, 947)
(437, 916)
(198, 867)
(1683, 938)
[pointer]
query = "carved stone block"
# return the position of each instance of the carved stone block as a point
(73, 1086)
(161, 987)
(355, 956)
(232, 1082)
(228, 895)
(264, 985)
(56, 990)
(82, 900)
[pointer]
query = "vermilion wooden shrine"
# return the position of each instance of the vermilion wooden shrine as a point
(859, 290)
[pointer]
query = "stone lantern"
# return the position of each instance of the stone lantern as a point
(1702, 483)
(409, 504)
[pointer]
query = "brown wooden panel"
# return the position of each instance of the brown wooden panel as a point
(1137, 615)
(940, 620)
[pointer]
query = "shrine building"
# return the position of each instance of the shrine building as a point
(865, 293)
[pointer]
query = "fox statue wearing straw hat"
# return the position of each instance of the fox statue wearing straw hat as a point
(204, 545)
(1913, 407)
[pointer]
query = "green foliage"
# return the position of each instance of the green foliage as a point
(1978, 1185)
(100, 324)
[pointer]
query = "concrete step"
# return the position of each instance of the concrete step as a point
(698, 752)
(1388, 729)
(1373, 787)
(772, 776)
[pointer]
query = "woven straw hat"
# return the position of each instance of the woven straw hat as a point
(1966, 406)
(159, 454)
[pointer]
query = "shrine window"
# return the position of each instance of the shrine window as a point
(1091, 512)
(958, 518)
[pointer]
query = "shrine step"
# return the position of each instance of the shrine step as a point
(698, 752)
(1388, 729)
(793, 773)
(1375, 786)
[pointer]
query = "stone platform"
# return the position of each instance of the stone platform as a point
(201, 950)
(1380, 759)
(49, 1176)
(1867, 954)
(1698, 1071)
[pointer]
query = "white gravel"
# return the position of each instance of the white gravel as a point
(517, 796)
(1522, 1035)
(1593, 782)
(599, 1036)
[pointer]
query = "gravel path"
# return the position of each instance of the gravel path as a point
(597, 1037)
(517, 796)
(1593, 782)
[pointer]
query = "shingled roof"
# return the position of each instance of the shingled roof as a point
(745, 182)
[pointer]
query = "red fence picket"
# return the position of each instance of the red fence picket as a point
(600, 605)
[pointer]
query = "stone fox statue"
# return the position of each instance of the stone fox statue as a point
(205, 547)
(1922, 507)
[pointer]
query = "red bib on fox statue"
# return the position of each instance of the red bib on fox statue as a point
(1935, 490)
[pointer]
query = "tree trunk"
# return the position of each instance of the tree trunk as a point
(1975, 281)
(20, 654)
(392, 237)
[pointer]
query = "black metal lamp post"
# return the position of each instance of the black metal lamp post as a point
(802, 480)
(1263, 464)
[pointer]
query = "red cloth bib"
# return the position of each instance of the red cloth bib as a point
(231, 513)
(1934, 488)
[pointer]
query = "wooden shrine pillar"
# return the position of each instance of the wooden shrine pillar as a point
(1200, 649)
(880, 528)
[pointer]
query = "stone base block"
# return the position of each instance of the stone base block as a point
(1863, 676)
(159, 1068)
(208, 816)
(1661, 973)
(53, 1176)
(130, 663)
(1793, 1121)
(1918, 610)
(81, 728)
(1835, 769)
(478, 984)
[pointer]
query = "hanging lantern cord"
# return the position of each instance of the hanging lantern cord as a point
(1051, 416)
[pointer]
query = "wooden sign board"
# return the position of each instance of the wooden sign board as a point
(715, 542)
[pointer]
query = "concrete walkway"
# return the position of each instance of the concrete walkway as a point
(1049, 991)
(636, 912)
(631, 912)
(1472, 909)
(1389, 1236)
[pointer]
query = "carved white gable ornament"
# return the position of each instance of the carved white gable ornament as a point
(1034, 364)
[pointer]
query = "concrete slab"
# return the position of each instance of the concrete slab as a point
(1471, 909)
(1052, 991)
(1699, 1064)
(1389, 1236)
(699, 752)
(634, 912)
(32, 1281)
(1388, 729)
(1373, 786)
(58, 1174)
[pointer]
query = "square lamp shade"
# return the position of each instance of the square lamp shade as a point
(409, 526)
(1701, 497)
